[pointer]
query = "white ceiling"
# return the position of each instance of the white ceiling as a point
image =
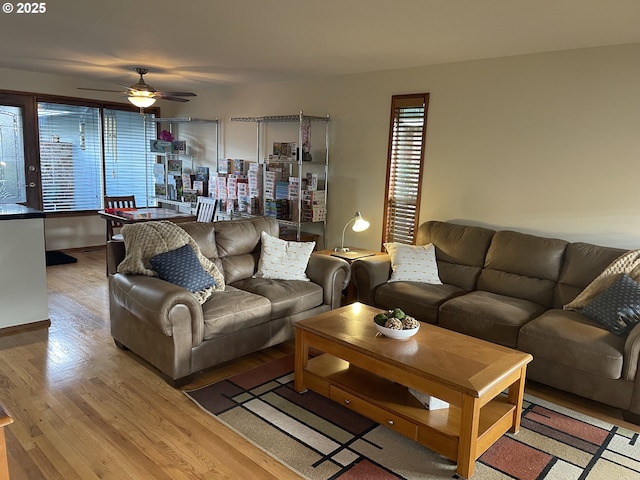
(190, 44)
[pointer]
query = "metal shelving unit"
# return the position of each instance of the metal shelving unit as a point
(189, 158)
(305, 160)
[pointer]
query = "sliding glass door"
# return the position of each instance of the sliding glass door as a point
(127, 163)
(87, 152)
(70, 157)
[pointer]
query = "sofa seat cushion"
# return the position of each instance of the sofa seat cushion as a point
(571, 339)
(232, 311)
(420, 300)
(489, 316)
(287, 297)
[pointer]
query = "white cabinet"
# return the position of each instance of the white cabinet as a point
(293, 156)
(182, 165)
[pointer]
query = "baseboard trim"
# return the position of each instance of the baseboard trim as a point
(25, 327)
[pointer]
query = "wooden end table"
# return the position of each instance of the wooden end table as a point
(355, 253)
(370, 373)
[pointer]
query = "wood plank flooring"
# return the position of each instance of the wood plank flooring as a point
(85, 410)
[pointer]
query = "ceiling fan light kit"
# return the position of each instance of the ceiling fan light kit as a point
(143, 95)
(141, 101)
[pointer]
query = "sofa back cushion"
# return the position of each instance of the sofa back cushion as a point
(233, 245)
(583, 262)
(460, 251)
(205, 236)
(523, 266)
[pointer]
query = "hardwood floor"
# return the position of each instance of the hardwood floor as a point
(84, 409)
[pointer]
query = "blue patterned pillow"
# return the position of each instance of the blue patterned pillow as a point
(617, 307)
(182, 267)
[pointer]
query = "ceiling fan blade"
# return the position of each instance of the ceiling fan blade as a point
(142, 89)
(101, 90)
(173, 99)
(178, 94)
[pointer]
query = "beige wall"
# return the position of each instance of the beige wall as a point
(546, 143)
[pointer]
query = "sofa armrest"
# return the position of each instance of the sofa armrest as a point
(630, 373)
(632, 355)
(368, 273)
(115, 255)
(161, 305)
(332, 274)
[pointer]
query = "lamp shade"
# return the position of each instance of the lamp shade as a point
(359, 225)
(142, 99)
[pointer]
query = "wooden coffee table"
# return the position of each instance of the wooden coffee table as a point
(370, 373)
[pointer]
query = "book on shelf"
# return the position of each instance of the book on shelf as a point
(159, 146)
(179, 147)
(202, 187)
(202, 173)
(189, 195)
(174, 167)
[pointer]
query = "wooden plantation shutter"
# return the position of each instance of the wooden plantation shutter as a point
(405, 160)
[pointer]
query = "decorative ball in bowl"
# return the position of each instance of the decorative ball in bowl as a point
(396, 324)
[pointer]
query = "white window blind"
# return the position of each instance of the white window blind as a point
(70, 157)
(72, 163)
(404, 167)
(126, 143)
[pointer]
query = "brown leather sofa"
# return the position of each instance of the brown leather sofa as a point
(510, 288)
(165, 324)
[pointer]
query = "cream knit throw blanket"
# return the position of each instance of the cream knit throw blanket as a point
(144, 240)
(628, 263)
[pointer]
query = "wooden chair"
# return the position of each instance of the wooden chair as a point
(128, 201)
(206, 209)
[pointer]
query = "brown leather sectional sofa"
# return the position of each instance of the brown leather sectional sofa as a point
(165, 324)
(510, 288)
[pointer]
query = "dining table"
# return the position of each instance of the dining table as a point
(133, 215)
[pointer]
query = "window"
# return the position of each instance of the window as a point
(126, 141)
(76, 170)
(405, 160)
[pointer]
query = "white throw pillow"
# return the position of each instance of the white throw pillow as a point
(413, 263)
(282, 260)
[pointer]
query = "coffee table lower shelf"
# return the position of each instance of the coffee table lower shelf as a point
(391, 404)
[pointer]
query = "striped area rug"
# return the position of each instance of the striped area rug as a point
(320, 439)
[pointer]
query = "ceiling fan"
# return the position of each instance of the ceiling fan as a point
(143, 95)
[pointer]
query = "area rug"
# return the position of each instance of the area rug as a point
(55, 257)
(320, 439)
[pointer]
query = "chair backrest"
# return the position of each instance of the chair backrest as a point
(206, 209)
(128, 201)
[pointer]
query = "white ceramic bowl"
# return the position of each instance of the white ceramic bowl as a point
(397, 334)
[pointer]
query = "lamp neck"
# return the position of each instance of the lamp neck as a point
(344, 230)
